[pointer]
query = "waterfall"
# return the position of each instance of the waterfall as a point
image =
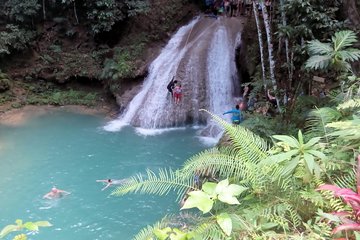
(201, 55)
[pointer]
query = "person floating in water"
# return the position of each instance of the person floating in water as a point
(110, 182)
(171, 86)
(55, 193)
(177, 93)
(236, 115)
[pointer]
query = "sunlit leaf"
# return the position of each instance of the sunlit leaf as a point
(209, 188)
(31, 226)
(43, 224)
(8, 229)
(199, 200)
(225, 222)
(287, 139)
(221, 186)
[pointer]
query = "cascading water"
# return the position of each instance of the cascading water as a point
(201, 55)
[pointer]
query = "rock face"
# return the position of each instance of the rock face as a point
(201, 56)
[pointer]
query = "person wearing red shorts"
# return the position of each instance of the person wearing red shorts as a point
(177, 93)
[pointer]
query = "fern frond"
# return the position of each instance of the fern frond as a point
(209, 231)
(247, 144)
(223, 162)
(346, 181)
(147, 233)
(317, 120)
(160, 184)
(352, 104)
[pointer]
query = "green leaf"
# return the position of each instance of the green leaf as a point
(209, 188)
(290, 167)
(312, 142)
(300, 138)
(199, 200)
(317, 154)
(43, 224)
(221, 186)
(235, 189)
(310, 163)
(31, 226)
(228, 198)
(162, 234)
(178, 235)
(19, 222)
(8, 229)
(225, 222)
(291, 141)
(278, 158)
(357, 235)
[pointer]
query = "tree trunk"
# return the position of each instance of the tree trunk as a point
(287, 52)
(271, 55)
(44, 10)
(76, 17)
(352, 13)
(261, 46)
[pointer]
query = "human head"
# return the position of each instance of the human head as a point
(237, 107)
(175, 81)
(54, 190)
(109, 180)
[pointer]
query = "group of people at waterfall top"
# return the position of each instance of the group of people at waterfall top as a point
(174, 88)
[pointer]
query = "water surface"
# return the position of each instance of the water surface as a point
(71, 151)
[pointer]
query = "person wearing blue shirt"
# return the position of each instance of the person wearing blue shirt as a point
(236, 115)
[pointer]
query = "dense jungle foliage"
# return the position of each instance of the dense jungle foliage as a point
(45, 45)
(290, 172)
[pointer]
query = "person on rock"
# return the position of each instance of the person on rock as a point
(177, 93)
(171, 86)
(236, 115)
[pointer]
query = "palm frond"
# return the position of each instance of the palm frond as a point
(350, 55)
(160, 184)
(318, 62)
(316, 47)
(344, 39)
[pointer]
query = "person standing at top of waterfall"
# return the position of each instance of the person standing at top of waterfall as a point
(236, 115)
(177, 93)
(171, 86)
(227, 8)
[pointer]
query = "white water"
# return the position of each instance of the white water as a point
(202, 56)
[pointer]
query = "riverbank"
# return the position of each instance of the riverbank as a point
(17, 117)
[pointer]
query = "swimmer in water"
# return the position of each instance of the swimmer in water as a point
(55, 193)
(110, 182)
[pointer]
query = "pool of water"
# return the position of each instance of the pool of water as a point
(71, 152)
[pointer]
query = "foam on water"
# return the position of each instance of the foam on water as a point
(156, 131)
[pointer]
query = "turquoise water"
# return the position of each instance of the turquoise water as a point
(71, 152)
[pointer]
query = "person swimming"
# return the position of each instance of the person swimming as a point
(110, 182)
(55, 193)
